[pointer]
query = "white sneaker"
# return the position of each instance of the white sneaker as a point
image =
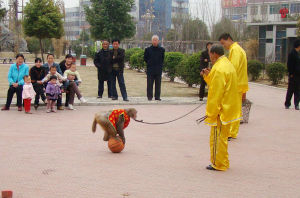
(83, 100)
(71, 107)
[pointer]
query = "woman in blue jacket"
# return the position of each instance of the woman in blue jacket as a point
(16, 75)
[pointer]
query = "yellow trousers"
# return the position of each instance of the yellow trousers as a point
(218, 146)
(235, 127)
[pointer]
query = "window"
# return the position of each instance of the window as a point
(295, 8)
(264, 9)
(254, 10)
(274, 9)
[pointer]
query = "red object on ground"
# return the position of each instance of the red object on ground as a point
(115, 145)
(27, 104)
(7, 194)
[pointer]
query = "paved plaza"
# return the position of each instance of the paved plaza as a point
(57, 156)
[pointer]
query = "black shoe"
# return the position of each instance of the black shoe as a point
(99, 97)
(158, 99)
(126, 100)
(287, 107)
(211, 168)
(201, 99)
(114, 98)
(297, 107)
(109, 97)
(36, 106)
(149, 99)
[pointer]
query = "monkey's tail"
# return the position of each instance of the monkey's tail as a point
(94, 126)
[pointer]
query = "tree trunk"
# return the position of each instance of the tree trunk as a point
(42, 50)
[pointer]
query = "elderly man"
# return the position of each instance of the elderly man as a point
(237, 57)
(154, 57)
(223, 106)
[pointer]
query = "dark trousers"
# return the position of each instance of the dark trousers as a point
(151, 79)
(10, 94)
(293, 89)
(39, 90)
(202, 88)
(116, 75)
(101, 87)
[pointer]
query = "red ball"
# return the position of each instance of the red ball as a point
(115, 144)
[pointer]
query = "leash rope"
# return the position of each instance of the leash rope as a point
(159, 123)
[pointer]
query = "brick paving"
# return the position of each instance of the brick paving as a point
(56, 155)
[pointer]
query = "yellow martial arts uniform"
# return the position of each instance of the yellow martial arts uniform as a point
(222, 110)
(238, 58)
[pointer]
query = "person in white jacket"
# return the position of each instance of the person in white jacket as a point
(28, 94)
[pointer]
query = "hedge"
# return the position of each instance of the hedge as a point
(130, 52)
(172, 60)
(254, 69)
(137, 61)
(276, 72)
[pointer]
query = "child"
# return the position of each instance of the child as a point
(60, 79)
(72, 83)
(53, 93)
(28, 94)
(37, 73)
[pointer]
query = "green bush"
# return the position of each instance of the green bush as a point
(172, 59)
(254, 69)
(276, 72)
(188, 69)
(130, 52)
(137, 61)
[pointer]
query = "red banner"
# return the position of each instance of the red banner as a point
(233, 3)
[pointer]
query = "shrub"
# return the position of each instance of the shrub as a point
(172, 59)
(276, 72)
(188, 70)
(254, 69)
(130, 52)
(137, 61)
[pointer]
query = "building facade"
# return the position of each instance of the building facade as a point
(235, 10)
(277, 20)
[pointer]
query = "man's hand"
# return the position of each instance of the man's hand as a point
(206, 60)
(291, 75)
(244, 97)
(15, 85)
(205, 71)
(39, 82)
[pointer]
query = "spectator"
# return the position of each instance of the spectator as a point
(53, 92)
(28, 94)
(65, 65)
(294, 77)
(154, 57)
(16, 75)
(37, 73)
(104, 66)
(204, 63)
(118, 56)
(47, 66)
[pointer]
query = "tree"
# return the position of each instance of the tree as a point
(195, 29)
(43, 19)
(111, 19)
(225, 25)
(2, 12)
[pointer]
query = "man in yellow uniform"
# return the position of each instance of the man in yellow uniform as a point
(223, 106)
(238, 58)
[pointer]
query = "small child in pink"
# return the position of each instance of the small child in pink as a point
(28, 94)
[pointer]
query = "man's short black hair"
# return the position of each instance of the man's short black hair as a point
(38, 60)
(20, 55)
(116, 40)
(297, 43)
(68, 56)
(53, 77)
(50, 55)
(218, 49)
(209, 43)
(225, 36)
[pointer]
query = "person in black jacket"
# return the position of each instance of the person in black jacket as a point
(103, 62)
(118, 56)
(65, 65)
(37, 73)
(204, 63)
(294, 76)
(154, 57)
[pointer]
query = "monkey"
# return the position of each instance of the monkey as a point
(114, 122)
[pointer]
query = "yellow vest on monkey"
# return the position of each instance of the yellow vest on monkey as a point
(238, 58)
(223, 99)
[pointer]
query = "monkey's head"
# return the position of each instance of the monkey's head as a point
(132, 113)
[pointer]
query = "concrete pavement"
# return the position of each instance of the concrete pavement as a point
(56, 155)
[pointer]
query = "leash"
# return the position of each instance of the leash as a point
(159, 123)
